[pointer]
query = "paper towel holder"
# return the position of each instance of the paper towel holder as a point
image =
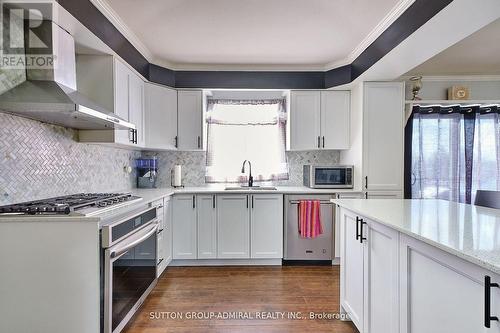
(172, 172)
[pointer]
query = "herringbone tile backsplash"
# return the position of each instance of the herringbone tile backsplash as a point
(40, 161)
(193, 165)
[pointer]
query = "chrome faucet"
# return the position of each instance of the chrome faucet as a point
(250, 178)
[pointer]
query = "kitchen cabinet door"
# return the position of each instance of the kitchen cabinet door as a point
(305, 119)
(136, 106)
(121, 91)
(383, 128)
(442, 293)
(335, 119)
(346, 195)
(160, 245)
(190, 117)
(233, 226)
(161, 117)
(381, 280)
(351, 268)
(266, 226)
(184, 227)
(167, 237)
(207, 226)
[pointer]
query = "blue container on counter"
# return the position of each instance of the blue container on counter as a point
(147, 172)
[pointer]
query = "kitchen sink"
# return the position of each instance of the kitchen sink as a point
(253, 188)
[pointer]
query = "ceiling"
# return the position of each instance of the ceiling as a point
(292, 34)
(477, 54)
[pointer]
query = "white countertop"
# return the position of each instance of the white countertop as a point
(467, 231)
(220, 188)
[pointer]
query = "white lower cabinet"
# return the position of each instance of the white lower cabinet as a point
(369, 273)
(380, 278)
(441, 292)
(266, 226)
(351, 268)
(184, 227)
(391, 282)
(167, 233)
(233, 226)
(207, 226)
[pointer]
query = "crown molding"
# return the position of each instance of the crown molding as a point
(389, 19)
(116, 20)
(437, 78)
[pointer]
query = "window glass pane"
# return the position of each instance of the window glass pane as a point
(245, 132)
(438, 157)
(486, 165)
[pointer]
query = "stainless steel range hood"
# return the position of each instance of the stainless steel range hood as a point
(50, 94)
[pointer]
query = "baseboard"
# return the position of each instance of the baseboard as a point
(336, 261)
(307, 262)
(226, 262)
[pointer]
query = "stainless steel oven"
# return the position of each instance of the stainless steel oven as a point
(129, 259)
(328, 176)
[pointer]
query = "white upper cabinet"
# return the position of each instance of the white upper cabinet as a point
(335, 120)
(120, 90)
(319, 120)
(190, 118)
(161, 117)
(305, 118)
(383, 118)
(136, 107)
(266, 224)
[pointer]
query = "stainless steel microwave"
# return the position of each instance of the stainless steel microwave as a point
(332, 176)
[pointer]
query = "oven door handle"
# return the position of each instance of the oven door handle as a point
(135, 239)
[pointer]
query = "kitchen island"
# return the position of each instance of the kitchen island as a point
(390, 249)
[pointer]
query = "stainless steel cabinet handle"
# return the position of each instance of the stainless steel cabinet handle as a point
(199, 142)
(247, 201)
(112, 119)
(319, 142)
(366, 182)
(117, 252)
(323, 141)
(252, 201)
(213, 201)
(322, 202)
(194, 202)
(176, 141)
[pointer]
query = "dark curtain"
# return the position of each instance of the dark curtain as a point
(443, 154)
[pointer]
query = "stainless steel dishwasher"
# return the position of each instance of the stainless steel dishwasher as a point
(298, 248)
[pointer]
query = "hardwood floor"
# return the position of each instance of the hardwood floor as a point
(249, 290)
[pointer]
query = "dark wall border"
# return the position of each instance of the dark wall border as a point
(412, 19)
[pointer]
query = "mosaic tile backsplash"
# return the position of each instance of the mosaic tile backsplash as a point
(193, 165)
(38, 161)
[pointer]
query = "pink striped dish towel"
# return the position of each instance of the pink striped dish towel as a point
(310, 219)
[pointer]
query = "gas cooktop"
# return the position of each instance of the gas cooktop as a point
(68, 204)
